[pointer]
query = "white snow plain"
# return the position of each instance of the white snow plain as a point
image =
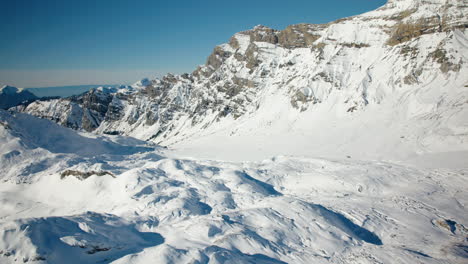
(139, 206)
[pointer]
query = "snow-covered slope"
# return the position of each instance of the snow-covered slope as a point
(388, 84)
(11, 96)
(122, 201)
(29, 145)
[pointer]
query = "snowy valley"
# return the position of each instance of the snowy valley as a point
(345, 142)
(116, 199)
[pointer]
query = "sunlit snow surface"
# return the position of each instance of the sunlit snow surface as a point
(391, 186)
(147, 208)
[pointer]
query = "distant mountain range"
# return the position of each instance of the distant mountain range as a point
(11, 96)
(63, 91)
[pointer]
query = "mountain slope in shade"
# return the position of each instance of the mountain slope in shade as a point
(11, 96)
(139, 206)
(387, 84)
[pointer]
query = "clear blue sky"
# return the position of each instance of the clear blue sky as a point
(61, 42)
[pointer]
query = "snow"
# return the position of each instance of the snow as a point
(244, 41)
(142, 83)
(371, 168)
(154, 206)
(65, 242)
(394, 121)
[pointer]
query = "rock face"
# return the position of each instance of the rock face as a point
(12, 96)
(405, 47)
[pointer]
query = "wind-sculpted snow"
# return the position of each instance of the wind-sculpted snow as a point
(86, 238)
(145, 207)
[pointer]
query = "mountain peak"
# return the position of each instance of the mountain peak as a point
(260, 27)
(6, 89)
(11, 96)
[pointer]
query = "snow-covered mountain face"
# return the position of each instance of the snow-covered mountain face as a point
(73, 197)
(11, 96)
(395, 78)
(384, 85)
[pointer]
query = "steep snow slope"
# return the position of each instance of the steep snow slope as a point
(388, 84)
(141, 207)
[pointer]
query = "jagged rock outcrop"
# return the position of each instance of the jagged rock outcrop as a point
(403, 47)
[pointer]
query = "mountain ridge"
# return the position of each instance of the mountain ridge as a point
(397, 54)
